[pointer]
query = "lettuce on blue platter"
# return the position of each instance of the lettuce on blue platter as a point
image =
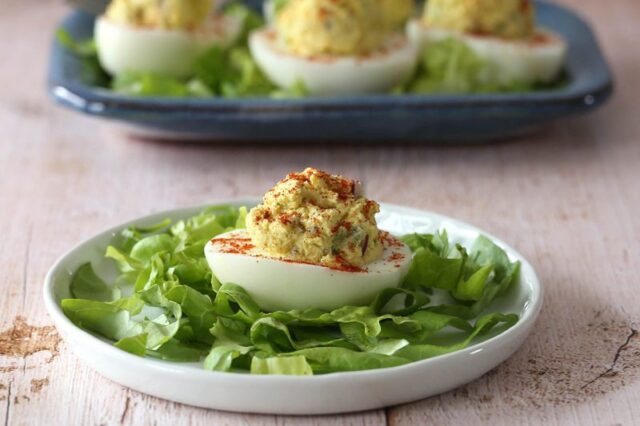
(447, 66)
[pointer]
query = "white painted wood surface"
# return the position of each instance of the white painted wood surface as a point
(567, 198)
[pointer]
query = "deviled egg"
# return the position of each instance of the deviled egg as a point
(333, 47)
(502, 33)
(396, 13)
(160, 36)
(312, 243)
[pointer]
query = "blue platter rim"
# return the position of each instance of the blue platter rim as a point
(590, 86)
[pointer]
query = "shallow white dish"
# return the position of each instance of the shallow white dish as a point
(333, 393)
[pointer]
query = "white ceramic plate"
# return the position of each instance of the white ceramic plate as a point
(333, 393)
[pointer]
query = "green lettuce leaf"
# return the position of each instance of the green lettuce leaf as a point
(136, 345)
(176, 351)
(434, 265)
(221, 357)
(162, 324)
(249, 19)
(176, 310)
(146, 84)
(413, 300)
(87, 54)
(473, 280)
(234, 302)
(107, 319)
(483, 326)
(450, 66)
(291, 365)
(133, 234)
(151, 246)
(334, 359)
(198, 308)
(85, 284)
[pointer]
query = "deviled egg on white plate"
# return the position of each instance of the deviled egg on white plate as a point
(348, 391)
(333, 47)
(163, 37)
(312, 243)
(228, 296)
(502, 33)
(282, 285)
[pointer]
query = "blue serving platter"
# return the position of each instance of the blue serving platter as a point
(376, 118)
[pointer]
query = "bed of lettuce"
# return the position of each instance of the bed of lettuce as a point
(448, 66)
(229, 73)
(166, 304)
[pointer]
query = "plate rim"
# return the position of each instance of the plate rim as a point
(64, 324)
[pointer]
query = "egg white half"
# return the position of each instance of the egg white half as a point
(539, 60)
(376, 72)
(285, 285)
(168, 52)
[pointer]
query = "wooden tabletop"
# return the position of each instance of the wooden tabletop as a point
(568, 198)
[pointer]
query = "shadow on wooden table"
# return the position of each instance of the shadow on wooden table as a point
(326, 144)
(572, 133)
(579, 353)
